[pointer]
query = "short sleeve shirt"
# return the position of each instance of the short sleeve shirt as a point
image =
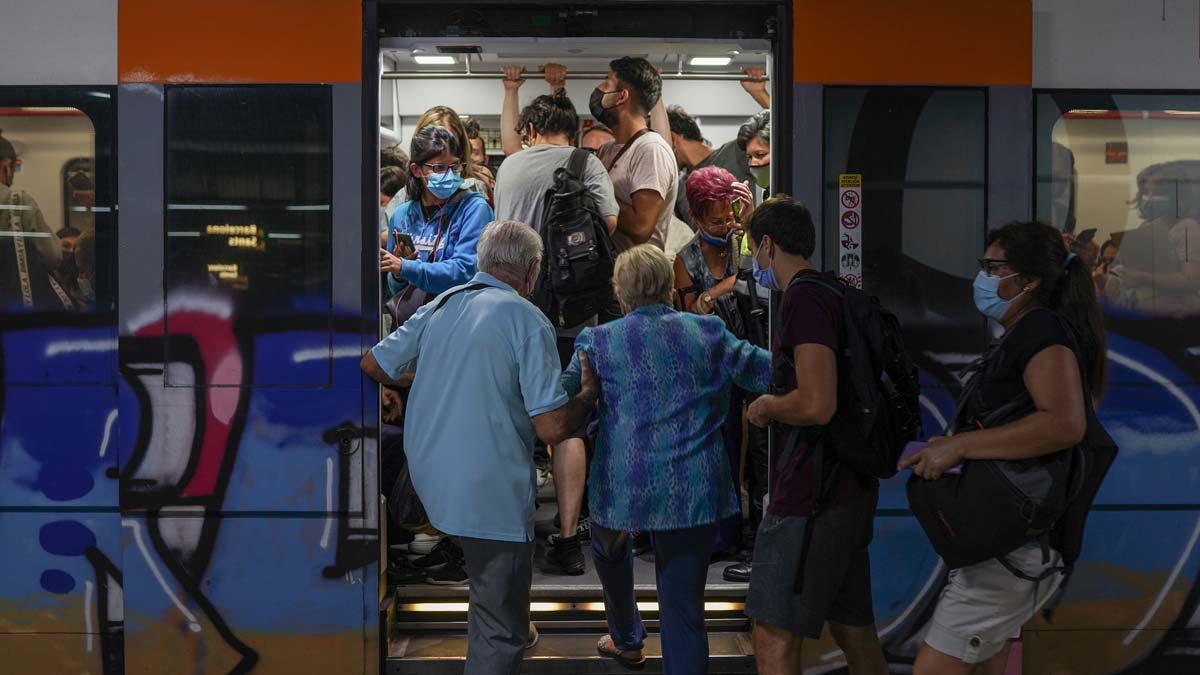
(486, 364)
(809, 314)
(649, 164)
(526, 177)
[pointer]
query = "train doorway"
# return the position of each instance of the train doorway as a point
(454, 55)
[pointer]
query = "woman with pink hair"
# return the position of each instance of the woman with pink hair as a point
(705, 271)
(706, 268)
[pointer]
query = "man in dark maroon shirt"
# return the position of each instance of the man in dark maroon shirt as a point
(810, 557)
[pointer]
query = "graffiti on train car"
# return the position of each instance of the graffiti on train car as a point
(233, 498)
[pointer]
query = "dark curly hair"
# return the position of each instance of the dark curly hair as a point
(684, 124)
(643, 81)
(550, 114)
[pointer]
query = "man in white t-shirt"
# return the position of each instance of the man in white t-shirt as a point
(640, 161)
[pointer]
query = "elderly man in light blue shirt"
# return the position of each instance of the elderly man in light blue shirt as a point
(486, 382)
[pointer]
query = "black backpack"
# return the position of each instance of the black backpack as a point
(994, 506)
(577, 268)
(878, 408)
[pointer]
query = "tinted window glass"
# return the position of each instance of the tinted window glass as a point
(921, 153)
(248, 181)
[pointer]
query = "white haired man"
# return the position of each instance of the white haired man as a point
(486, 381)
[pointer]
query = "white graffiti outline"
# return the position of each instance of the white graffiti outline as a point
(108, 425)
(1174, 390)
(134, 525)
(88, 589)
(328, 503)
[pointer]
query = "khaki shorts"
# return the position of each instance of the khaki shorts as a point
(984, 606)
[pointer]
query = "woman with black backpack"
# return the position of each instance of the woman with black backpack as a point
(1053, 347)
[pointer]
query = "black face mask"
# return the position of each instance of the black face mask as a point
(605, 116)
(68, 268)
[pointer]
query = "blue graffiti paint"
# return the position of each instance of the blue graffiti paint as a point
(64, 483)
(66, 537)
(58, 581)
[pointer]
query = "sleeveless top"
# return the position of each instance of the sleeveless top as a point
(725, 307)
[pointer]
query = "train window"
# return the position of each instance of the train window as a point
(47, 244)
(1119, 174)
(248, 186)
(915, 227)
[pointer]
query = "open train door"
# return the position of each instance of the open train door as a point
(426, 624)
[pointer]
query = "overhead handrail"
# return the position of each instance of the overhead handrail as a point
(598, 75)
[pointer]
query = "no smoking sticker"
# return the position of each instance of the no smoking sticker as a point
(851, 220)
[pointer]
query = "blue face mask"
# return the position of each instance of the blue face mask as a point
(717, 242)
(86, 290)
(764, 277)
(987, 296)
(442, 185)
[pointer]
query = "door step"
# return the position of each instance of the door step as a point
(558, 653)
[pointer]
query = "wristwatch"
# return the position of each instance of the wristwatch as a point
(708, 301)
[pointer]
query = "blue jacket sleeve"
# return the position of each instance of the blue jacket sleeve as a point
(459, 266)
(749, 366)
(394, 223)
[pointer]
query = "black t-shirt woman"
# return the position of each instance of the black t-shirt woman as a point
(1045, 300)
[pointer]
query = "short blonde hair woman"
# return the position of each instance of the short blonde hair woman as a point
(661, 466)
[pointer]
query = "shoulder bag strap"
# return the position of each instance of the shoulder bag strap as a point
(464, 289)
(625, 148)
(14, 221)
(578, 162)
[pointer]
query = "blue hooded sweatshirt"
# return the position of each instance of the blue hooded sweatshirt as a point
(454, 260)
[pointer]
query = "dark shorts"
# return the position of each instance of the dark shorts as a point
(837, 571)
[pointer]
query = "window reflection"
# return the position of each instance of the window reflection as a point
(47, 251)
(1120, 175)
(921, 154)
(248, 193)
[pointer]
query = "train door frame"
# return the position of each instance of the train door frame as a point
(782, 161)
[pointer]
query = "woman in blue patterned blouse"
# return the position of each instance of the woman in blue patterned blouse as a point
(660, 463)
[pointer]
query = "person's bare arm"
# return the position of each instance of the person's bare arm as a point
(510, 111)
(1059, 421)
(556, 426)
(684, 280)
(638, 219)
(371, 367)
(755, 84)
(811, 403)
(659, 122)
(611, 222)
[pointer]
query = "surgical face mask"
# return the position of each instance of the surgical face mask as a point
(762, 176)
(718, 242)
(442, 185)
(85, 289)
(764, 277)
(987, 295)
(1157, 206)
(604, 115)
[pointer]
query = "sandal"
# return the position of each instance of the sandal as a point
(632, 659)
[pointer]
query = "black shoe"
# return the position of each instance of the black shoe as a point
(401, 573)
(563, 556)
(445, 553)
(451, 575)
(640, 543)
(738, 573)
(583, 529)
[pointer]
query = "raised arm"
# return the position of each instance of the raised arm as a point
(510, 111)
(755, 84)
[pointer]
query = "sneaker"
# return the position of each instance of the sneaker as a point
(422, 544)
(450, 575)
(401, 573)
(738, 573)
(533, 636)
(563, 556)
(445, 553)
(543, 477)
(583, 529)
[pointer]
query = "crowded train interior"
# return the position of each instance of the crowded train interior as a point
(703, 77)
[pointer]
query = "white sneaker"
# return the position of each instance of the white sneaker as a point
(422, 544)
(543, 477)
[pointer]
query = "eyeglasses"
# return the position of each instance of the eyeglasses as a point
(990, 265)
(443, 168)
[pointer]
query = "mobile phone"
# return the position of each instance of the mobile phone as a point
(737, 208)
(405, 239)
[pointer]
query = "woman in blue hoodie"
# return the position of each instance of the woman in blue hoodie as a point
(443, 220)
